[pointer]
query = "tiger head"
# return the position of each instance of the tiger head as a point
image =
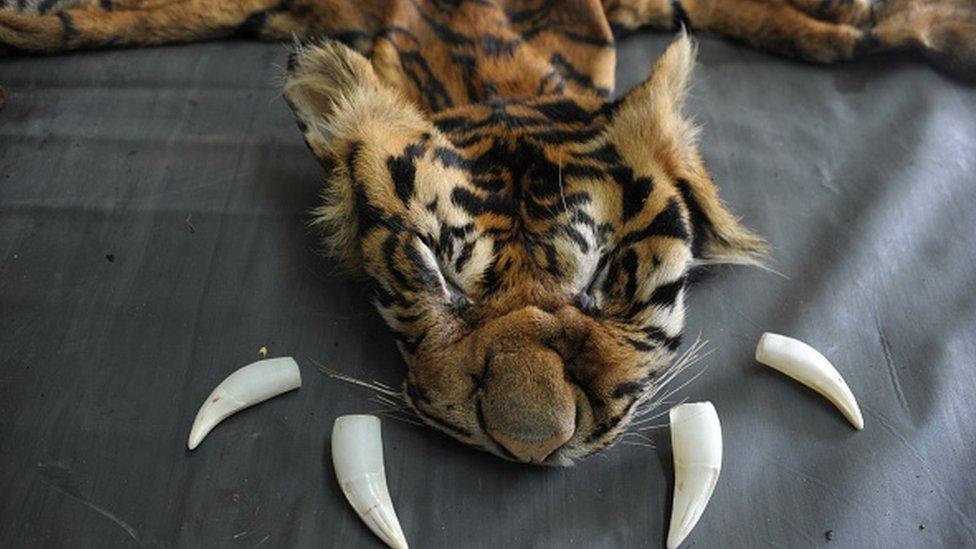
(530, 255)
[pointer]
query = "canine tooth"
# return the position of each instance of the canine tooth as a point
(806, 365)
(357, 455)
(696, 441)
(246, 387)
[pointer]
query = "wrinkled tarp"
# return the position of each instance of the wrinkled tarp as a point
(153, 209)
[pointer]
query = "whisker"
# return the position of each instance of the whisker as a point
(399, 418)
(651, 402)
(635, 443)
(382, 385)
(686, 383)
(649, 419)
(645, 409)
(640, 436)
(375, 385)
(690, 358)
(388, 401)
(654, 427)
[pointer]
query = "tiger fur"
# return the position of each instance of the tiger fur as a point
(526, 239)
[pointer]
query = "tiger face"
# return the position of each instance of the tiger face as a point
(529, 255)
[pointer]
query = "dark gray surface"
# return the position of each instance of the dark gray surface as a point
(862, 177)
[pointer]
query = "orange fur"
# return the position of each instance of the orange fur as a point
(526, 239)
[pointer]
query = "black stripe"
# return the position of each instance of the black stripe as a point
(668, 222)
(680, 17)
(530, 15)
(403, 171)
(666, 294)
(562, 136)
(474, 205)
(700, 224)
(578, 238)
(603, 428)
(432, 88)
(254, 23)
(565, 111)
(351, 38)
(496, 46)
(443, 32)
(607, 154)
(46, 6)
(571, 72)
(576, 37)
(642, 346)
(629, 264)
(450, 158)
(68, 30)
(386, 298)
(410, 319)
(635, 191)
(464, 256)
(388, 249)
(627, 388)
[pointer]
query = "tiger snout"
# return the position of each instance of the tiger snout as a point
(527, 405)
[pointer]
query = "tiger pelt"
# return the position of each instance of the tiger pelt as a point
(526, 239)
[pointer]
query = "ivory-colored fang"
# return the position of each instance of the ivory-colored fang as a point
(246, 387)
(696, 442)
(357, 455)
(806, 365)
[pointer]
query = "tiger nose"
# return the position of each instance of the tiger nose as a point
(529, 451)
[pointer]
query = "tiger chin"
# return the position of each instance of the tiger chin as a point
(529, 255)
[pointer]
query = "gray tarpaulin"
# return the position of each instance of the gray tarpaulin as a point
(153, 237)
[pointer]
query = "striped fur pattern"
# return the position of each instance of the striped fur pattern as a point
(527, 240)
(944, 31)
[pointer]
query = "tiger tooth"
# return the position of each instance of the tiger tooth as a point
(696, 442)
(806, 365)
(357, 455)
(246, 387)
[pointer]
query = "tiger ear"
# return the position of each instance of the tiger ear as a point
(337, 98)
(354, 124)
(717, 235)
(651, 114)
(649, 125)
(667, 84)
(323, 80)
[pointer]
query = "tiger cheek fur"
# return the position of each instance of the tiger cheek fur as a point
(528, 254)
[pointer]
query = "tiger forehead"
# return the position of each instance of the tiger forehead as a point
(528, 215)
(538, 117)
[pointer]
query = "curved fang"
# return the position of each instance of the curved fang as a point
(246, 387)
(357, 455)
(696, 441)
(806, 365)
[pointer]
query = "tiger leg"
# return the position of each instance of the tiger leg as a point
(850, 12)
(944, 31)
(774, 25)
(821, 30)
(93, 27)
(97, 23)
(41, 7)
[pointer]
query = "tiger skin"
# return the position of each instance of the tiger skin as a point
(526, 239)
